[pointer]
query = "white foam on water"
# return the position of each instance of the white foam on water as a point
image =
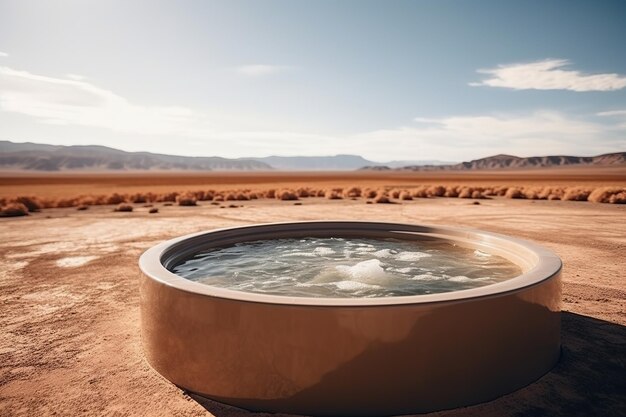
(367, 271)
(462, 278)
(428, 277)
(411, 256)
(323, 251)
(354, 286)
(383, 253)
(298, 254)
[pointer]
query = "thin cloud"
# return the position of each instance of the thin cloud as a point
(76, 77)
(612, 113)
(3, 54)
(548, 75)
(261, 70)
(61, 101)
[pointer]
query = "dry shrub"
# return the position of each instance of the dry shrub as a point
(451, 191)
(501, 191)
(218, 197)
(14, 210)
(115, 198)
(242, 197)
(66, 202)
(370, 193)
(168, 204)
(333, 195)
(405, 195)
(153, 210)
(382, 199)
(613, 195)
(205, 195)
(167, 197)
(353, 192)
(421, 192)
(31, 203)
(186, 200)
(286, 195)
(532, 193)
(437, 191)
(466, 192)
(303, 192)
(138, 198)
(477, 194)
(489, 192)
(514, 192)
(230, 197)
(271, 193)
(82, 207)
(395, 193)
(124, 207)
(253, 196)
(576, 194)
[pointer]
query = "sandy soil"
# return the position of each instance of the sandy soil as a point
(73, 184)
(70, 341)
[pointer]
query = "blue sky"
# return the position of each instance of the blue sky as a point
(448, 80)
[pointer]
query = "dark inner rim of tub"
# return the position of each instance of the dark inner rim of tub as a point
(344, 267)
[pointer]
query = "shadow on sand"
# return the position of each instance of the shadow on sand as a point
(589, 380)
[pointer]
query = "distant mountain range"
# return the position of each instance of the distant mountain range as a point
(41, 157)
(515, 162)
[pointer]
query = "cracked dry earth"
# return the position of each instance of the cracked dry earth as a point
(70, 341)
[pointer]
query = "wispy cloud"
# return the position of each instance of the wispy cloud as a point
(612, 113)
(260, 70)
(76, 77)
(466, 137)
(3, 54)
(548, 75)
(61, 101)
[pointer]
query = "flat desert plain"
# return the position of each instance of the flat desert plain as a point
(70, 341)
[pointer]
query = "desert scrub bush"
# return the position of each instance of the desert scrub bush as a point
(405, 195)
(333, 194)
(303, 192)
(451, 191)
(116, 198)
(576, 194)
(286, 195)
(353, 192)
(370, 193)
(31, 203)
(437, 191)
(382, 199)
(514, 192)
(13, 210)
(124, 207)
(466, 192)
(613, 195)
(186, 200)
(421, 192)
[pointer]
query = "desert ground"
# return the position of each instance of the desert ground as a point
(70, 341)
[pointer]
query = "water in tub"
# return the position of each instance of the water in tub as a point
(342, 267)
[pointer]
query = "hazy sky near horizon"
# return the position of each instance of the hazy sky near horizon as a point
(403, 80)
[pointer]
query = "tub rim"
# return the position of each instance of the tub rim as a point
(538, 263)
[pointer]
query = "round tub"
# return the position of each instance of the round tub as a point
(351, 356)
